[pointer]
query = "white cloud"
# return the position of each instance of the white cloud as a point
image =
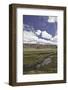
(46, 35)
(38, 32)
(27, 27)
(52, 19)
(29, 36)
(54, 39)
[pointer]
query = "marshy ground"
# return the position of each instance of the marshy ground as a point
(41, 59)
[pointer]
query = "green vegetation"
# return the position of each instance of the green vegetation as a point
(40, 60)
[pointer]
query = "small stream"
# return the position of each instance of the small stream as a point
(45, 62)
(37, 65)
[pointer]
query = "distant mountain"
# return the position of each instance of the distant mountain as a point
(38, 37)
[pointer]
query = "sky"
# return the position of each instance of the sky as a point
(40, 29)
(43, 23)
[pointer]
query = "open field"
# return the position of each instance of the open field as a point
(40, 60)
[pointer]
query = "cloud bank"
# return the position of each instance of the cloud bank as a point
(30, 37)
(46, 35)
(38, 32)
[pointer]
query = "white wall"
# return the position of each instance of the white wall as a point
(4, 44)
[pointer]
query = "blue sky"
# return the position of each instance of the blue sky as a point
(44, 23)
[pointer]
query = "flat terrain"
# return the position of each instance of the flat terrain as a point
(42, 59)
